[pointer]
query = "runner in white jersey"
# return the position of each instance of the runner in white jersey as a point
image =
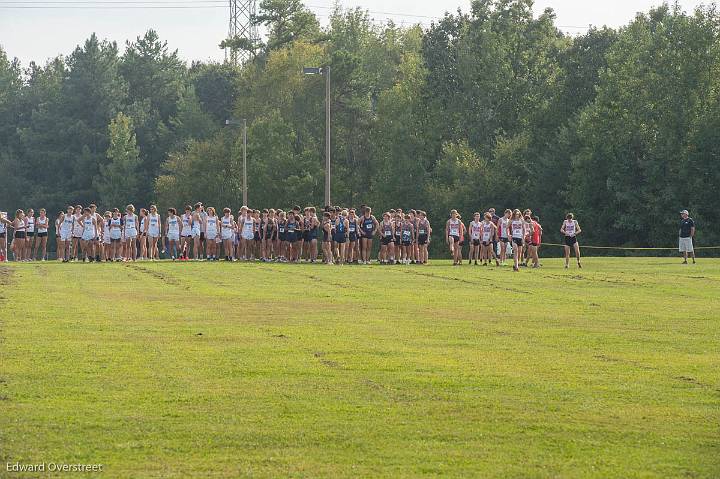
(116, 235)
(154, 227)
(198, 230)
(475, 232)
(172, 232)
(517, 233)
(186, 233)
(246, 224)
(106, 240)
(89, 233)
(42, 223)
(142, 234)
(570, 229)
(30, 229)
(227, 232)
(76, 232)
(504, 235)
(66, 235)
(489, 233)
(97, 242)
(19, 243)
(130, 232)
(212, 232)
(454, 234)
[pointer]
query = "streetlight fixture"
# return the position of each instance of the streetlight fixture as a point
(244, 186)
(324, 71)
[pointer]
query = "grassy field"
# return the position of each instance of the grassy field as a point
(227, 370)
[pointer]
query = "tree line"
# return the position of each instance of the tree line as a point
(489, 107)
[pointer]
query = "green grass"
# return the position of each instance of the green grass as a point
(226, 370)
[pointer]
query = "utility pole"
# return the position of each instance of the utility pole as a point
(327, 136)
(245, 185)
(241, 26)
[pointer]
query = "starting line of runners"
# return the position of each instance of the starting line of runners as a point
(346, 235)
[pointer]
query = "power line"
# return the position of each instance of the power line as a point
(109, 7)
(110, 2)
(193, 4)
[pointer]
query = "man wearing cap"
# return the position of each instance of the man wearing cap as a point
(687, 232)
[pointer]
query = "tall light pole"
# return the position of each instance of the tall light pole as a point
(324, 71)
(244, 167)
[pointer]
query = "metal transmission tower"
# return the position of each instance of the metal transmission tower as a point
(241, 27)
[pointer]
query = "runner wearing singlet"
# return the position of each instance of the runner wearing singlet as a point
(19, 243)
(58, 226)
(257, 235)
(397, 220)
(387, 235)
(282, 236)
(423, 237)
(143, 233)
(116, 227)
(340, 236)
(186, 238)
(312, 241)
(197, 230)
(517, 233)
(454, 231)
(353, 226)
(66, 234)
(154, 232)
(89, 233)
(487, 240)
(268, 234)
(30, 236)
(271, 240)
(495, 219)
(407, 239)
(173, 225)
(536, 239)
(246, 223)
(42, 224)
(415, 250)
(369, 227)
(503, 233)
(570, 229)
(97, 243)
(130, 233)
(212, 231)
(291, 232)
(298, 237)
(474, 232)
(227, 233)
(327, 230)
(76, 232)
(107, 244)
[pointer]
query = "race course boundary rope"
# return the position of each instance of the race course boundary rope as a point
(627, 248)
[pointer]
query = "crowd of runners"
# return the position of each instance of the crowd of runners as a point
(335, 235)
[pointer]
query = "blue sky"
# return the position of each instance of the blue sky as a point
(38, 34)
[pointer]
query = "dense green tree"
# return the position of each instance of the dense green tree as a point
(286, 22)
(634, 135)
(119, 180)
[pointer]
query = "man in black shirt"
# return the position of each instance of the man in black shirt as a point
(687, 232)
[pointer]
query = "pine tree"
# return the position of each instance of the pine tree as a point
(119, 180)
